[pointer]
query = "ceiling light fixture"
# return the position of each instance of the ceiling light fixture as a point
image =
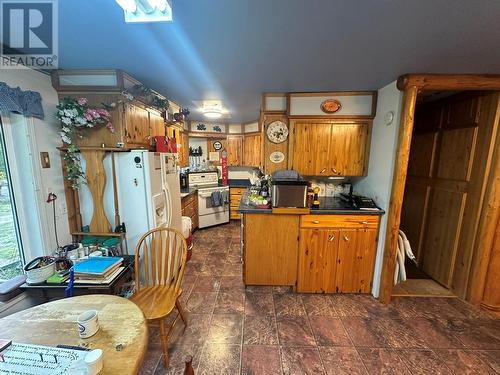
(146, 10)
(212, 112)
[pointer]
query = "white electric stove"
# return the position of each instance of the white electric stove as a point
(207, 183)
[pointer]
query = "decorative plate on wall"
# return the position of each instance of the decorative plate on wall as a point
(331, 106)
(217, 145)
(277, 132)
(276, 157)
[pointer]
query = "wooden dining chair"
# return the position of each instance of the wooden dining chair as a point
(160, 259)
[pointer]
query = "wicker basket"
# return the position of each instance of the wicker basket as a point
(39, 275)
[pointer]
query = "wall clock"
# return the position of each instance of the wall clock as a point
(331, 106)
(217, 145)
(277, 132)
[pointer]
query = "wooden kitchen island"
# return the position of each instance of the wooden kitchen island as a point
(327, 250)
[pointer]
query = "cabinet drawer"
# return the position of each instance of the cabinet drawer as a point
(235, 200)
(339, 221)
(237, 190)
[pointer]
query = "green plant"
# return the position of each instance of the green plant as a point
(75, 115)
(74, 172)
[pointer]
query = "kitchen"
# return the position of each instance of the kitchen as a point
(327, 210)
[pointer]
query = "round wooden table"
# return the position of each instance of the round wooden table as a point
(54, 323)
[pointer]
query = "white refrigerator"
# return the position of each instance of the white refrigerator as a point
(148, 190)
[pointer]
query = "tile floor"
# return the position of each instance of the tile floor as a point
(266, 330)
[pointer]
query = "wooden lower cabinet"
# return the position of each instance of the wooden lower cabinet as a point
(355, 260)
(317, 255)
(270, 249)
(335, 259)
(189, 208)
(235, 194)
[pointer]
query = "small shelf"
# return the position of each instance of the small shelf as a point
(87, 148)
(98, 234)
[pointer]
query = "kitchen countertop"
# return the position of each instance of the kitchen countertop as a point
(187, 191)
(231, 183)
(328, 206)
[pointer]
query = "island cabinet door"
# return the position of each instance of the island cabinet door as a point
(317, 260)
(355, 260)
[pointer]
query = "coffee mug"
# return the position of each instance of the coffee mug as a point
(88, 324)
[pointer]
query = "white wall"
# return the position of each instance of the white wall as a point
(40, 135)
(378, 183)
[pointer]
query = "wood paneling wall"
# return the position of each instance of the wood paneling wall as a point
(445, 188)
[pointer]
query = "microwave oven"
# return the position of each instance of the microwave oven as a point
(289, 193)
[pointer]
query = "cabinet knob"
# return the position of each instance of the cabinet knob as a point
(331, 238)
(323, 170)
(364, 222)
(334, 170)
(346, 238)
(315, 221)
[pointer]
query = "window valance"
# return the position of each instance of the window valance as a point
(27, 103)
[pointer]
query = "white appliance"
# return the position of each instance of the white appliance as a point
(207, 183)
(148, 193)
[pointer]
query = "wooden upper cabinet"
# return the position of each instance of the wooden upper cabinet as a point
(183, 150)
(136, 125)
(348, 150)
(252, 150)
(330, 149)
(234, 148)
(311, 148)
(156, 124)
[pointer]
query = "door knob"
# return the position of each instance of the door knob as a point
(323, 170)
(334, 170)
(331, 238)
(346, 238)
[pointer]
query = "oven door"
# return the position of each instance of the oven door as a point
(205, 203)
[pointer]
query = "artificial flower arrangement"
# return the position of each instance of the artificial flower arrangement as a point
(75, 115)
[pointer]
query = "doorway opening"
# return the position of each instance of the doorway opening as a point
(449, 161)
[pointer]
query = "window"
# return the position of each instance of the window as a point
(10, 244)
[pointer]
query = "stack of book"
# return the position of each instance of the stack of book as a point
(98, 270)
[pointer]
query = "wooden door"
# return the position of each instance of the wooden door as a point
(355, 260)
(234, 148)
(348, 150)
(252, 150)
(311, 147)
(317, 260)
(136, 125)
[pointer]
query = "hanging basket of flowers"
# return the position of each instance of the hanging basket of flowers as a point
(75, 116)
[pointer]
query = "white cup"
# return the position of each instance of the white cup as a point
(93, 360)
(88, 324)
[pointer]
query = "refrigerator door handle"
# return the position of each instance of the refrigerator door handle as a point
(168, 202)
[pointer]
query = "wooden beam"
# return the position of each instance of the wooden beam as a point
(398, 187)
(449, 81)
